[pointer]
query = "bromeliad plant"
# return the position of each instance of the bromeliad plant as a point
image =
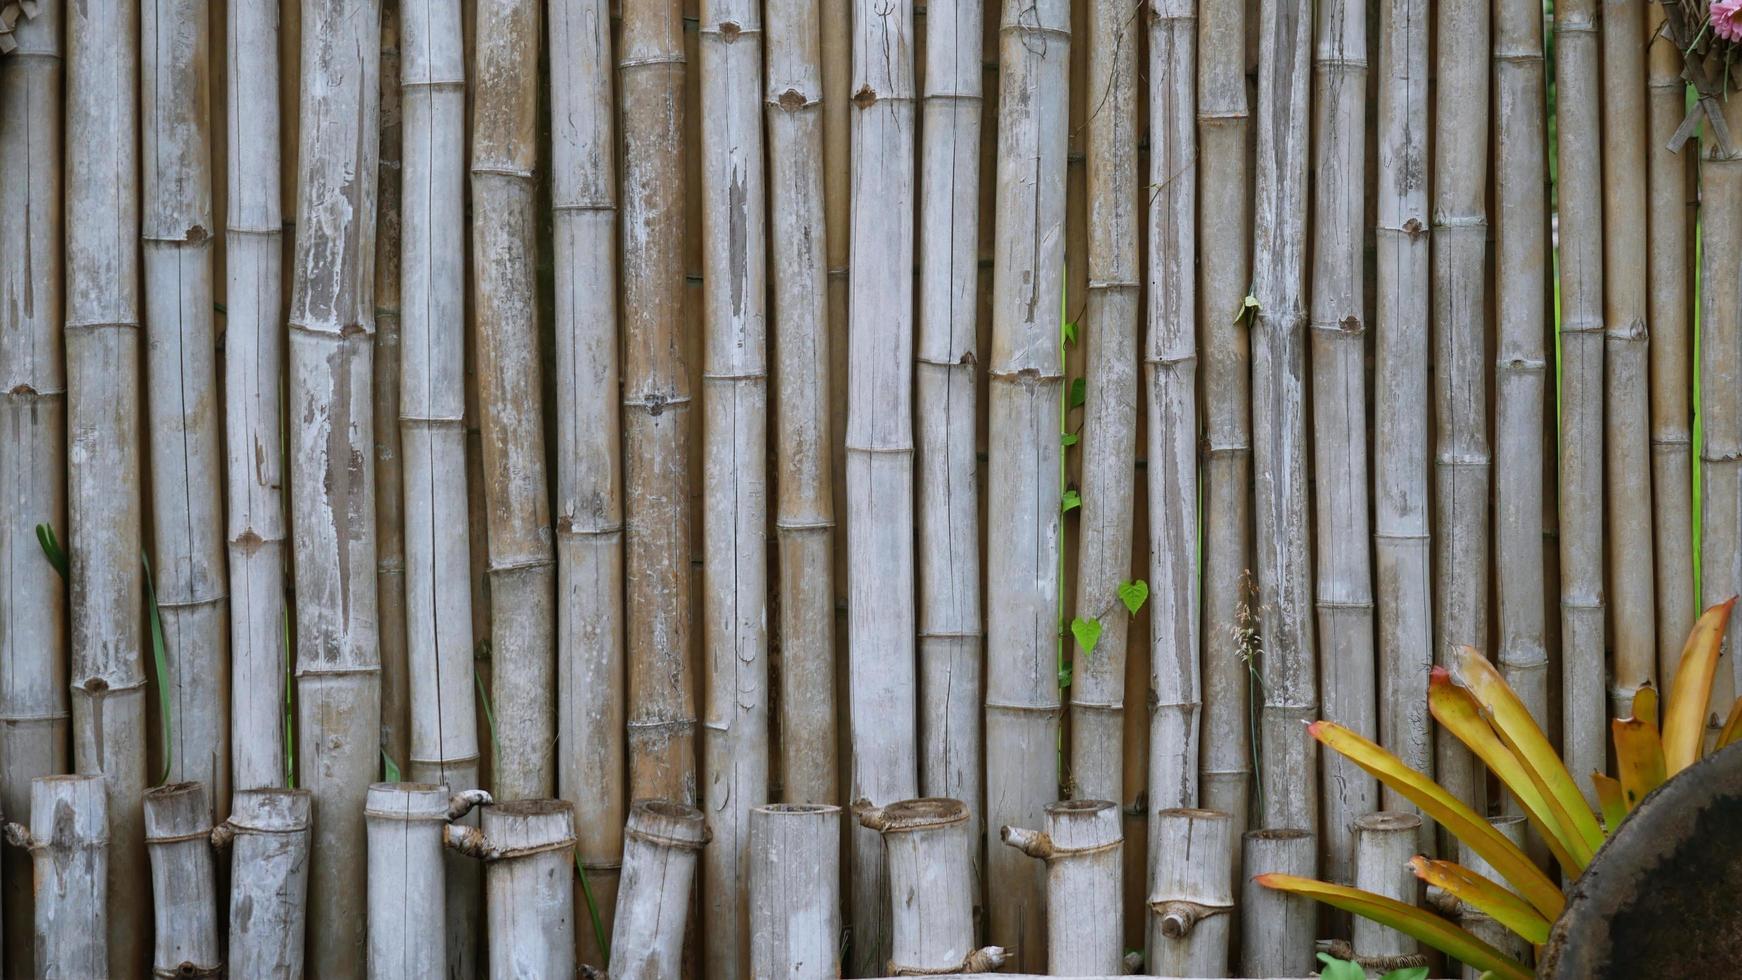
(1471, 701)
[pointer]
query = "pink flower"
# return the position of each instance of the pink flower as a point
(1727, 19)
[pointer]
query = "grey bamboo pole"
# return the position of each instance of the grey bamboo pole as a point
(331, 480)
(1626, 394)
(522, 566)
(1191, 900)
(1400, 376)
(659, 867)
(1277, 928)
(1384, 842)
(530, 847)
(33, 443)
(1521, 266)
(734, 471)
(881, 617)
(1344, 577)
(1170, 366)
(795, 890)
(1083, 849)
(589, 501)
(1290, 670)
(181, 371)
(1224, 270)
(253, 416)
(69, 839)
(184, 898)
(1720, 380)
(952, 682)
(1461, 453)
(1583, 733)
(268, 837)
(930, 887)
(103, 308)
(1109, 333)
(804, 518)
(1671, 348)
(656, 404)
(409, 883)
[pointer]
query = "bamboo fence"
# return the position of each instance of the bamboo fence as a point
(776, 447)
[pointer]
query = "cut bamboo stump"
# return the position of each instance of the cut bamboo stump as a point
(68, 839)
(1191, 895)
(1083, 848)
(178, 831)
(660, 845)
(1277, 929)
(268, 836)
(529, 901)
(795, 892)
(930, 887)
(1384, 842)
(408, 919)
(1482, 926)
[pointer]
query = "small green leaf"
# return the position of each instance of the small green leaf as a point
(1134, 594)
(1072, 500)
(51, 549)
(1247, 306)
(1064, 675)
(1069, 332)
(389, 768)
(1087, 632)
(1069, 438)
(1336, 969)
(1079, 392)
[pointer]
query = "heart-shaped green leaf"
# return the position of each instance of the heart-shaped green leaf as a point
(1079, 392)
(1134, 594)
(1087, 632)
(1072, 500)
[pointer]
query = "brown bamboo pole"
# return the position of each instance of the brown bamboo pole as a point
(253, 416)
(659, 868)
(1721, 378)
(1400, 376)
(656, 404)
(33, 444)
(1025, 384)
(103, 309)
(1170, 363)
(332, 493)
(1583, 734)
(881, 618)
(1344, 599)
(511, 406)
(1109, 332)
(1627, 436)
(1224, 270)
(1290, 797)
(70, 839)
(837, 92)
(1668, 305)
(268, 834)
(795, 889)
(804, 519)
(178, 827)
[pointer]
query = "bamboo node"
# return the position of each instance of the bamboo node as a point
(1179, 916)
(865, 98)
(1343, 950)
(461, 803)
(18, 835)
(984, 960)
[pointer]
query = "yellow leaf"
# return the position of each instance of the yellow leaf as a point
(1732, 725)
(1645, 704)
(1609, 799)
(1423, 926)
(1499, 903)
(1639, 753)
(1684, 720)
(1512, 721)
(1463, 823)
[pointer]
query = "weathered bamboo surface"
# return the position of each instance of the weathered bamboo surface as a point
(69, 839)
(268, 837)
(178, 829)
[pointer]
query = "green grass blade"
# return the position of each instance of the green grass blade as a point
(599, 936)
(160, 662)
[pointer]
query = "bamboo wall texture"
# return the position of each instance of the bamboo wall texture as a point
(815, 401)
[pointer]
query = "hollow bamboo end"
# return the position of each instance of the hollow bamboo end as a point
(667, 822)
(1388, 821)
(921, 814)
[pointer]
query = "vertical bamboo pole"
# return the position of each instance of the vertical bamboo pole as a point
(1290, 797)
(511, 405)
(837, 81)
(804, 520)
(103, 506)
(930, 887)
(1627, 436)
(69, 840)
(1082, 848)
(1583, 733)
(1671, 345)
(1461, 455)
(531, 844)
(1224, 270)
(1721, 380)
(1384, 842)
(332, 494)
(881, 617)
(1344, 599)
(184, 900)
(734, 470)
(1170, 361)
(407, 899)
(1109, 331)
(1400, 377)
(33, 444)
(268, 834)
(656, 404)
(951, 640)
(1191, 906)
(1277, 928)
(253, 417)
(795, 890)
(659, 866)
(589, 503)
(389, 458)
